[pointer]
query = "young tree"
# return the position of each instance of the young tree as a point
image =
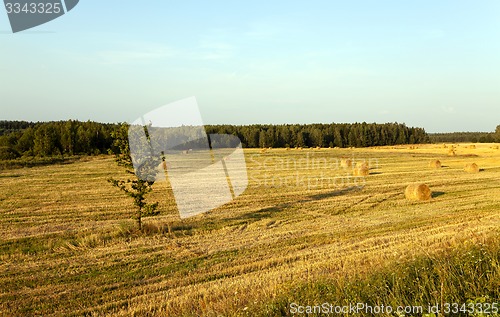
(135, 187)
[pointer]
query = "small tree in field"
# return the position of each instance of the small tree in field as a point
(134, 187)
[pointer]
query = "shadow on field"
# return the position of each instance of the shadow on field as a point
(268, 212)
(37, 162)
(334, 193)
(437, 194)
(10, 175)
(260, 214)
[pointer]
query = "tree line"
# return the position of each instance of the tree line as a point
(472, 137)
(66, 138)
(55, 139)
(7, 127)
(323, 135)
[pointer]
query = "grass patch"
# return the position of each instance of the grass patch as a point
(36, 161)
(465, 275)
(69, 248)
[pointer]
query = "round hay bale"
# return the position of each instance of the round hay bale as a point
(451, 152)
(495, 147)
(420, 192)
(264, 150)
(362, 171)
(472, 146)
(435, 164)
(346, 163)
(471, 168)
(444, 146)
(362, 165)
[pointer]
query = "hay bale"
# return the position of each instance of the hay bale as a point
(451, 152)
(362, 165)
(472, 146)
(264, 150)
(471, 168)
(362, 171)
(435, 164)
(346, 163)
(495, 147)
(444, 146)
(420, 192)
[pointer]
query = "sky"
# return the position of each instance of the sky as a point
(431, 64)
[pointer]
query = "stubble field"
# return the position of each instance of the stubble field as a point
(68, 246)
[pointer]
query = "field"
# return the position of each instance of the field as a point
(69, 248)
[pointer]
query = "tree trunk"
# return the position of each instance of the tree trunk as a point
(139, 222)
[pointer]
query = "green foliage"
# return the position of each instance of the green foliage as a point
(497, 133)
(56, 138)
(457, 137)
(312, 135)
(7, 127)
(138, 189)
(8, 153)
(465, 275)
(135, 188)
(68, 138)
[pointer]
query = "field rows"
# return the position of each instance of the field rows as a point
(68, 245)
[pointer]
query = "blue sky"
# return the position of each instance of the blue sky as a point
(434, 64)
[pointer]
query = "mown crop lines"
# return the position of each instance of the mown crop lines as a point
(69, 247)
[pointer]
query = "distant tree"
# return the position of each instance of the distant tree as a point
(317, 137)
(262, 139)
(497, 133)
(301, 139)
(25, 144)
(47, 140)
(8, 153)
(133, 187)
